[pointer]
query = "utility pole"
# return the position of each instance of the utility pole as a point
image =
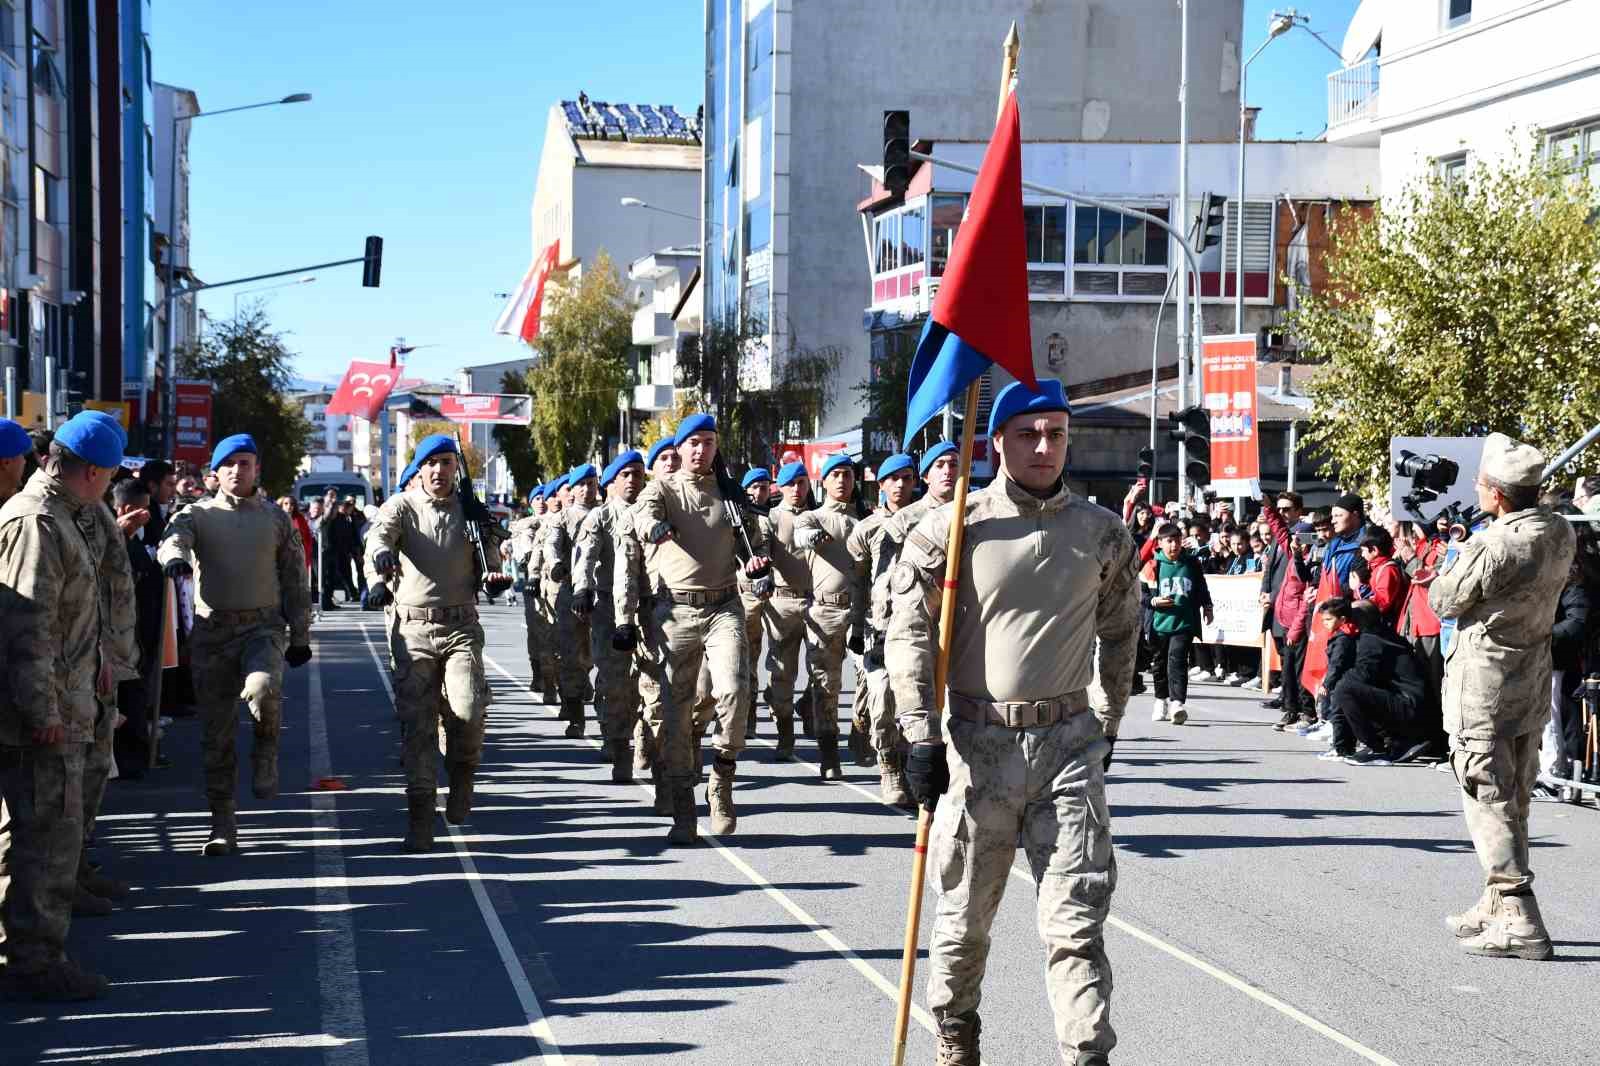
(1183, 211)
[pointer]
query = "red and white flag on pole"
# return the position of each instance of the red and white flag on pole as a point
(521, 315)
(364, 388)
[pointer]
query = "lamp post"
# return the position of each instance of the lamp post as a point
(1278, 24)
(307, 280)
(169, 420)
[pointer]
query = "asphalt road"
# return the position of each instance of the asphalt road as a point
(1271, 909)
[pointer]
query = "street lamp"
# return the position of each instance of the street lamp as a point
(172, 246)
(307, 280)
(634, 201)
(1278, 24)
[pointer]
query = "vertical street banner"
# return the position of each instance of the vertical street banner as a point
(1228, 393)
(193, 412)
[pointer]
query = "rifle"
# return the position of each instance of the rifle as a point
(731, 492)
(476, 517)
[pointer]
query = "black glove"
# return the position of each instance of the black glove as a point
(857, 643)
(297, 655)
(1113, 742)
(496, 583)
(762, 586)
(660, 533)
(558, 572)
(927, 772)
(177, 568)
(385, 563)
(625, 637)
(379, 596)
(583, 603)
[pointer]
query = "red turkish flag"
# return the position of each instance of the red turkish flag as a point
(364, 388)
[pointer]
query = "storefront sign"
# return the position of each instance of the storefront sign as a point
(193, 411)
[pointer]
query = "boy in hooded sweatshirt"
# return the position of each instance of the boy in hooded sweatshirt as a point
(1175, 589)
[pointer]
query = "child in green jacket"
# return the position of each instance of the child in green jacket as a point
(1175, 589)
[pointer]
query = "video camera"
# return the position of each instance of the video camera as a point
(1431, 477)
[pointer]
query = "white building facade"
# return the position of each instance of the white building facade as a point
(1440, 83)
(666, 284)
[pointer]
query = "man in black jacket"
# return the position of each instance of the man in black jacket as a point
(1382, 697)
(132, 501)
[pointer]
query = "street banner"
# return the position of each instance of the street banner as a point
(364, 388)
(813, 454)
(1236, 610)
(521, 315)
(1228, 391)
(502, 408)
(192, 441)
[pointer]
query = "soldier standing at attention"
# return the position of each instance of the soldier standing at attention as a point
(875, 550)
(757, 485)
(250, 586)
(61, 671)
(572, 629)
(420, 543)
(1043, 575)
(524, 534)
(685, 515)
(1502, 591)
(784, 615)
(834, 618)
(595, 561)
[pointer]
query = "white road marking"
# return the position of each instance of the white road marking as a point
(344, 1014)
(538, 1024)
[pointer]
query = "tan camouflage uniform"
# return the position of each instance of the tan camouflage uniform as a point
(62, 614)
(571, 632)
(1041, 580)
(616, 701)
(784, 618)
(634, 594)
(549, 672)
(524, 539)
(250, 587)
(875, 548)
(834, 609)
(753, 626)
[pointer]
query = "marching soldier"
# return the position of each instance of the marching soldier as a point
(875, 550)
(549, 670)
(834, 618)
(784, 615)
(524, 536)
(572, 630)
(616, 701)
(635, 592)
(67, 633)
(938, 471)
(686, 516)
(757, 485)
(1502, 590)
(1043, 575)
(420, 543)
(250, 585)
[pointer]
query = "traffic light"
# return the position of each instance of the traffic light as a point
(896, 150)
(1192, 428)
(372, 263)
(1213, 211)
(1147, 462)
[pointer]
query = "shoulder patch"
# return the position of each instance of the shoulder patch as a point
(903, 579)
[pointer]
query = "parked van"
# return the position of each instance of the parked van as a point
(314, 486)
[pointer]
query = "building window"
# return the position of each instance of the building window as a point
(1045, 233)
(1452, 170)
(887, 228)
(944, 217)
(8, 27)
(1457, 13)
(912, 241)
(1576, 149)
(1118, 255)
(46, 196)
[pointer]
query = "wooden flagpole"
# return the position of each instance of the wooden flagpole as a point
(947, 618)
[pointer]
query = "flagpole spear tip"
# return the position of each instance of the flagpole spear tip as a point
(1013, 40)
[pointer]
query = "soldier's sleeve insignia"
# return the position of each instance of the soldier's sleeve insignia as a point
(904, 578)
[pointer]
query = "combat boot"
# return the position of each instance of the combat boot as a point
(719, 797)
(663, 801)
(958, 1041)
(1517, 932)
(621, 763)
(861, 750)
(572, 711)
(60, 982)
(892, 781)
(1093, 1058)
(644, 749)
(459, 803)
(264, 769)
(550, 697)
(807, 712)
(684, 831)
(1477, 917)
(750, 717)
(828, 752)
(102, 885)
(86, 904)
(224, 836)
(419, 825)
(784, 750)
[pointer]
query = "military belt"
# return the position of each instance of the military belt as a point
(702, 597)
(832, 599)
(438, 615)
(243, 618)
(789, 593)
(1020, 714)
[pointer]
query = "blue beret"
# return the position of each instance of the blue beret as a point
(789, 473)
(656, 449)
(239, 442)
(432, 445)
(581, 473)
(753, 475)
(933, 455)
(536, 494)
(13, 440)
(556, 485)
(894, 465)
(695, 423)
(613, 468)
(1015, 399)
(93, 437)
(835, 461)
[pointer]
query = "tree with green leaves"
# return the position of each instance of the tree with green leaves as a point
(473, 454)
(248, 366)
(1458, 310)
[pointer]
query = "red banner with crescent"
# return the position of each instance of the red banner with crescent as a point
(364, 388)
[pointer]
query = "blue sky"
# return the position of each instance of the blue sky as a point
(426, 126)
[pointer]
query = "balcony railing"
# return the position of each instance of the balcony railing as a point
(1353, 94)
